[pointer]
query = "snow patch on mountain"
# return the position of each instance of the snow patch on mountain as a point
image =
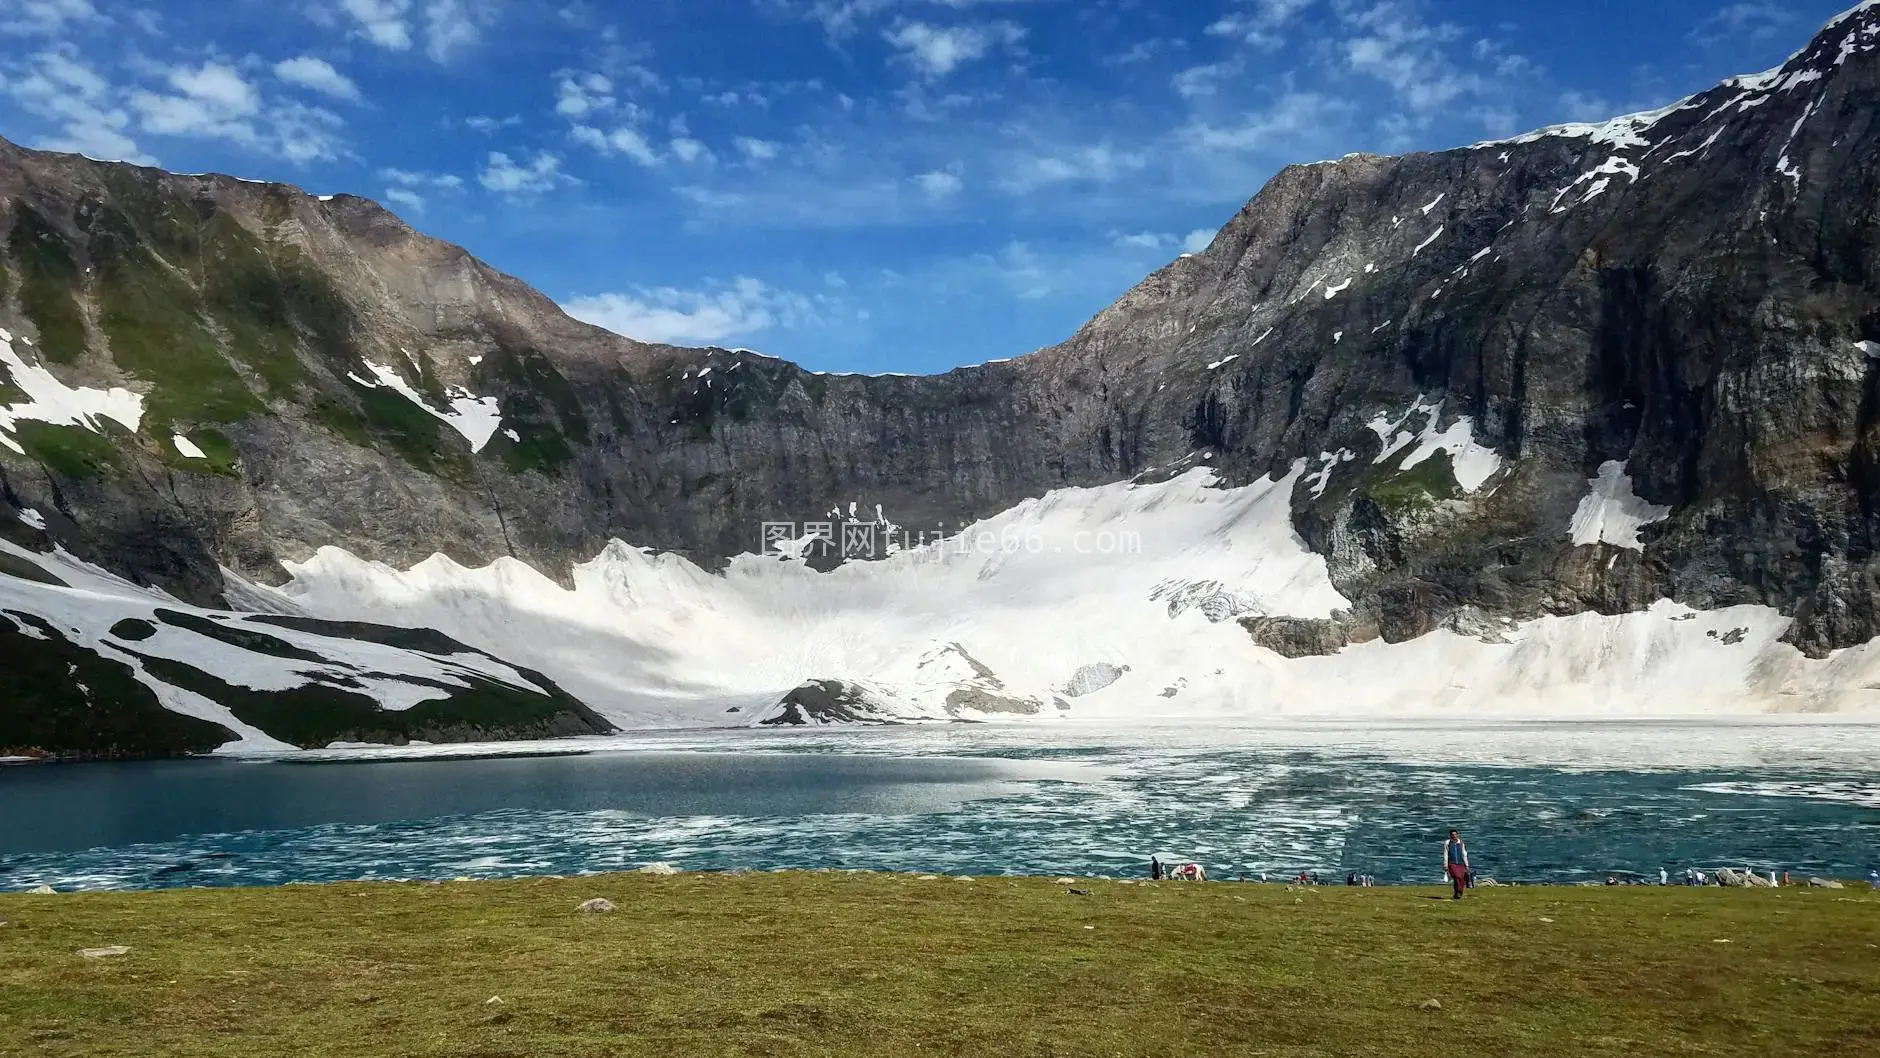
(50, 401)
(142, 627)
(1612, 513)
(476, 418)
(1473, 463)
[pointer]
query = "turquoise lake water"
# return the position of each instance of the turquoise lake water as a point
(1556, 803)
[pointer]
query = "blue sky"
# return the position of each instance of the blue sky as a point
(858, 185)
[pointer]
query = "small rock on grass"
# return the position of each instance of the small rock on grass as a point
(1430, 1004)
(104, 953)
(44, 890)
(596, 906)
(659, 868)
(493, 1001)
(1067, 881)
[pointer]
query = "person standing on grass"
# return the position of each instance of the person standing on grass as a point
(1456, 863)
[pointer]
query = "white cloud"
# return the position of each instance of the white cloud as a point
(452, 26)
(941, 183)
(46, 18)
(936, 51)
(1292, 117)
(211, 100)
(687, 149)
(711, 314)
(381, 21)
(302, 134)
(627, 142)
(408, 178)
(580, 95)
(505, 176)
(1748, 20)
(1261, 23)
(318, 75)
(57, 86)
(1197, 81)
(1097, 163)
(406, 198)
(1142, 240)
(208, 101)
(757, 150)
(1193, 242)
(1395, 46)
(488, 125)
(446, 27)
(1583, 106)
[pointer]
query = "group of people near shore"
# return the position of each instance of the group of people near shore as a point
(1460, 874)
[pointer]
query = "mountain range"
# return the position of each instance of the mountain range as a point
(1585, 422)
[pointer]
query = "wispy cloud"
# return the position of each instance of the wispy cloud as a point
(935, 51)
(714, 313)
(442, 28)
(318, 75)
(47, 18)
(1261, 23)
(1753, 20)
(506, 176)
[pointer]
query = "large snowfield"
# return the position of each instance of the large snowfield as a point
(1112, 603)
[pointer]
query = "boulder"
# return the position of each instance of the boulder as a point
(1825, 883)
(596, 906)
(1092, 678)
(658, 868)
(44, 890)
(1296, 637)
(111, 952)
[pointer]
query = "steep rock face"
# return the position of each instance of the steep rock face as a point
(1674, 314)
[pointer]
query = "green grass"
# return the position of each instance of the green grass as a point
(250, 302)
(219, 454)
(73, 451)
(49, 284)
(1422, 486)
(10, 392)
(544, 411)
(151, 318)
(834, 964)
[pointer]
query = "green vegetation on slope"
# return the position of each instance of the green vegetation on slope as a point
(318, 714)
(151, 318)
(49, 284)
(59, 697)
(252, 304)
(1420, 487)
(833, 964)
(416, 435)
(73, 451)
(542, 409)
(219, 455)
(9, 392)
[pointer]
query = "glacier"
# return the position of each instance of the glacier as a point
(1024, 617)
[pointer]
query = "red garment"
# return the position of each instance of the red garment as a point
(1459, 876)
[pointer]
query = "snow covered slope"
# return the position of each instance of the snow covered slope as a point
(94, 665)
(1127, 601)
